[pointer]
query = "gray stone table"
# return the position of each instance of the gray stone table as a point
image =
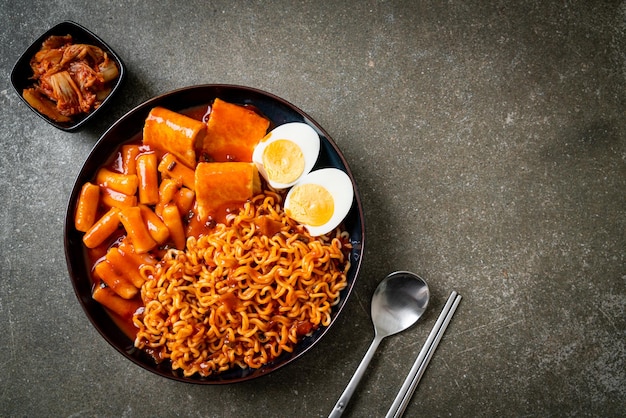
(488, 141)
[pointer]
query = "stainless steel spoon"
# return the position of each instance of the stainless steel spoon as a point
(398, 302)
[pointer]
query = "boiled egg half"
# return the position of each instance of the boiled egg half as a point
(287, 153)
(320, 200)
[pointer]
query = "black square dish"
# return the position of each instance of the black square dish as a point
(22, 74)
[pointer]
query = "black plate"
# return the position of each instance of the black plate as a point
(21, 75)
(278, 111)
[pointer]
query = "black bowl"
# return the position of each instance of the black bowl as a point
(21, 75)
(278, 111)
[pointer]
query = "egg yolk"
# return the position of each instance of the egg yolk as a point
(283, 161)
(310, 204)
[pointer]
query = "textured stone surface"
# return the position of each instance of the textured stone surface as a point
(488, 142)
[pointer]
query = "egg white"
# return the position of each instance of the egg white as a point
(339, 185)
(299, 133)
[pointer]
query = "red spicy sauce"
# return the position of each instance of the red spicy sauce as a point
(194, 226)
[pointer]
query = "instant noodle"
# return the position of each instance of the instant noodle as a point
(239, 297)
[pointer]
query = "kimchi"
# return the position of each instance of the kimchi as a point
(70, 79)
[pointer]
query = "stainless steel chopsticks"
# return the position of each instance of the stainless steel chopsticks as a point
(415, 374)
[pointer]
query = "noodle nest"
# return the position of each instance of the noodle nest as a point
(239, 296)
